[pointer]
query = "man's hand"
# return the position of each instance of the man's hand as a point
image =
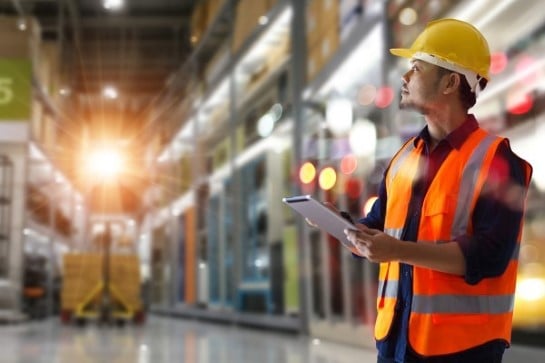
(373, 244)
(378, 246)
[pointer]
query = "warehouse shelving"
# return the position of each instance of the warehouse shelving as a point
(31, 119)
(220, 87)
(224, 178)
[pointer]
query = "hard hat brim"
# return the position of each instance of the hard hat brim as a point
(402, 52)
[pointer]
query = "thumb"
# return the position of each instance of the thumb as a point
(369, 231)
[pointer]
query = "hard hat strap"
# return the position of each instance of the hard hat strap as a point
(471, 77)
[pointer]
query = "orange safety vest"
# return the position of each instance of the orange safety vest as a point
(447, 314)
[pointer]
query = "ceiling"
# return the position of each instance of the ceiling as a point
(135, 49)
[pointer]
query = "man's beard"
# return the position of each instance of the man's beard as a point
(410, 105)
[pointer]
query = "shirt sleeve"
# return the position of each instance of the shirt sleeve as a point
(375, 217)
(496, 219)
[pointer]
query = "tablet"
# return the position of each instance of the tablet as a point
(323, 217)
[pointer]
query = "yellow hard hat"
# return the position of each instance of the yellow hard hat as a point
(452, 44)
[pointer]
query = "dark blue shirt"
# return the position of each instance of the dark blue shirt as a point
(487, 251)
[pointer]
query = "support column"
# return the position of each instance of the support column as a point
(298, 65)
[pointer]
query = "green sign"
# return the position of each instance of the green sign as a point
(15, 89)
(291, 273)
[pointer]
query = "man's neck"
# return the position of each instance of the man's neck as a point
(441, 125)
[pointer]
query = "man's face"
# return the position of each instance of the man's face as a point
(420, 87)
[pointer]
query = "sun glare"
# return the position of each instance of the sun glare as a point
(105, 163)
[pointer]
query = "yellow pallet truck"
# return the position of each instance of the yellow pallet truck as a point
(106, 291)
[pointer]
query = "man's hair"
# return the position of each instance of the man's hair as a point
(467, 97)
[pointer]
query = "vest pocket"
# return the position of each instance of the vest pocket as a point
(437, 215)
(460, 319)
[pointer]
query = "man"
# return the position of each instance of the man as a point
(447, 224)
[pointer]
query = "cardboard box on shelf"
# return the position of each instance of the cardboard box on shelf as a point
(198, 22)
(321, 15)
(214, 7)
(20, 37)
(279, 52)
(321, 53)
(247, 19)
(47, 71)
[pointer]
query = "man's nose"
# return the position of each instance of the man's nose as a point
(405, 77)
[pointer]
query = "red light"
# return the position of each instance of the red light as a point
(498, 62)
(349, 163)
(385, 96)
(520, 105)
(354, 188)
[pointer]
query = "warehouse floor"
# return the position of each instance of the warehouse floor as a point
(167, 340)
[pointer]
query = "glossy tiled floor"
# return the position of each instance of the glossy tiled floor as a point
(165, 340)
(175, 340)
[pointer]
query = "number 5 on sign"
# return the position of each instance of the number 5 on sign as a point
(6, 90)
(15, 89)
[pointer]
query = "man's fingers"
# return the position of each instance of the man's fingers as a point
(356, 237)
(368, 231)
(351, 235)
(363, 250)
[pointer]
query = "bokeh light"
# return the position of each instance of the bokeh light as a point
(307, 173)
(354, 188)
(385, 96)
(408, 16)
(498, 62)
(105, 163)
(363, 138)
(328, 178)
(349, 164)
(367, 94)
(369, 204)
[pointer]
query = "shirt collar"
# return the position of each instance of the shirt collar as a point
(456, 138)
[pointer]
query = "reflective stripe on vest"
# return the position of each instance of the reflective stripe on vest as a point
(462, 304)
(388, 282)
(467, 183)
(389, 290)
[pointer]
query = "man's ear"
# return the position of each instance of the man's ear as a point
(453, 83)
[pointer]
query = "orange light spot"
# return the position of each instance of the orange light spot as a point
(328, 178)
(369, 204)
(307, 173)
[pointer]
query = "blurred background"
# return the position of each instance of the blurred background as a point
(145, 147)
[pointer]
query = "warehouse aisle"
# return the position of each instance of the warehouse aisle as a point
(168, 340)
(165, 340)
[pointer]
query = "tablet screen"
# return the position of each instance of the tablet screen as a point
(323, 217)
